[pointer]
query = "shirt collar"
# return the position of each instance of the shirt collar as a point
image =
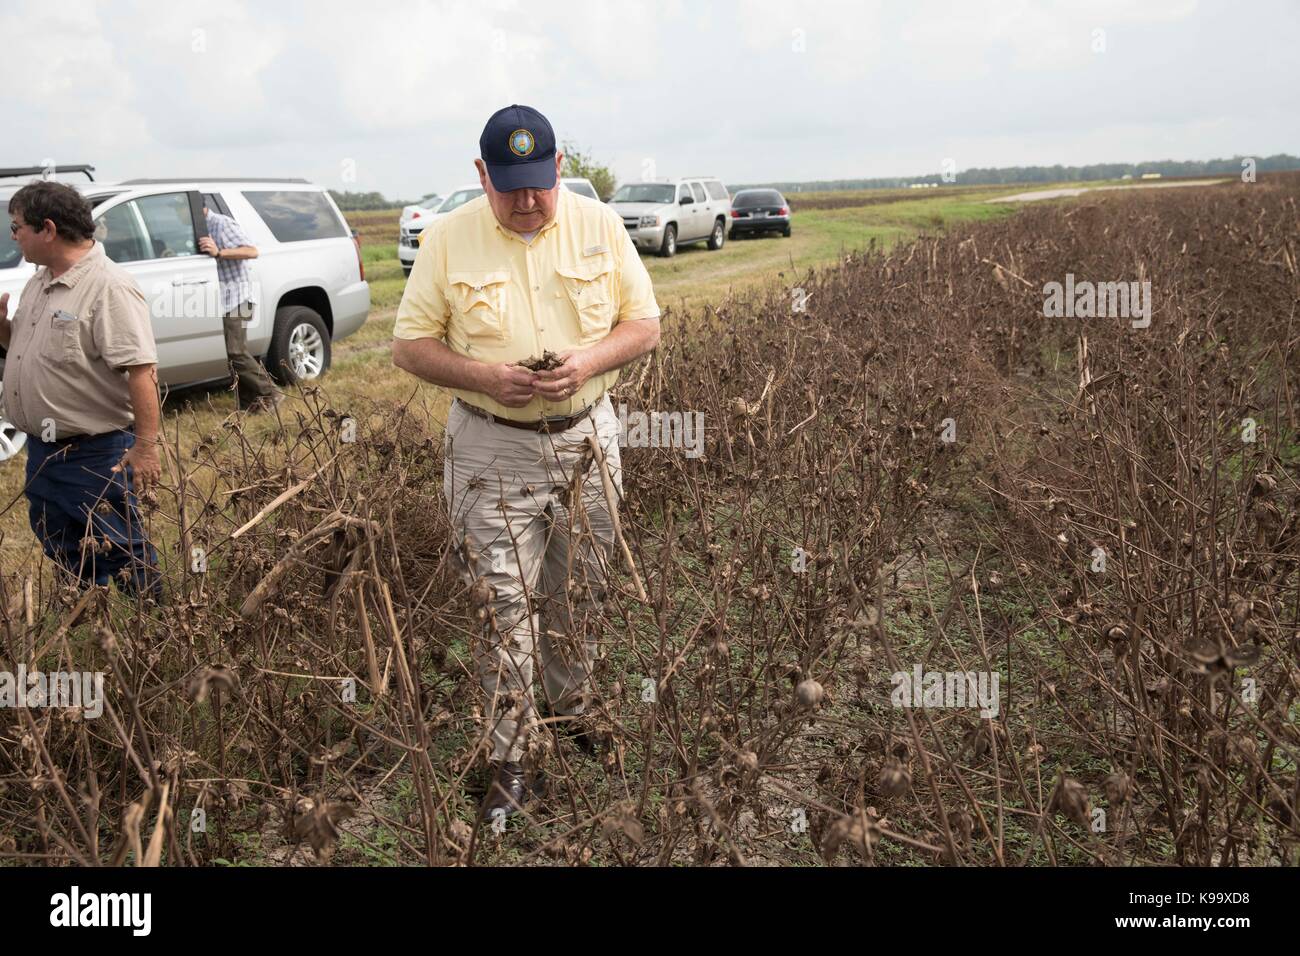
(84, 265)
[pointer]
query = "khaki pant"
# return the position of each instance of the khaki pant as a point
(507, 492)
(251, 381)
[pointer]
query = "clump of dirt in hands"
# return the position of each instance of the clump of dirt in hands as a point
(548, 361)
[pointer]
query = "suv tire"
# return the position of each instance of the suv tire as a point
(668, 248)
(717, 236)
(300, 346)
(786, 232)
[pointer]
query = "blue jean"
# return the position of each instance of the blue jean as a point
(72, 495)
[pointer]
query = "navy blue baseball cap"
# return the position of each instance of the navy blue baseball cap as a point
(518, 148)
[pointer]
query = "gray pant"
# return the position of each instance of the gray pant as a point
(546, 564)
(251, 381)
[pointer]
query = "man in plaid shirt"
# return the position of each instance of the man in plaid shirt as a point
(230, 246)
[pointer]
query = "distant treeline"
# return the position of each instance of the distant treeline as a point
(360, 202)
(1049, 174)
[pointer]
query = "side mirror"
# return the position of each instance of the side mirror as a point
(686, 200)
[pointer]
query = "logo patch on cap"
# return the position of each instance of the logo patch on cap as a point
(521, 142)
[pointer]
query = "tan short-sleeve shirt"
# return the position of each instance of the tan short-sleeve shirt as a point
(71, 339)
(495, 297)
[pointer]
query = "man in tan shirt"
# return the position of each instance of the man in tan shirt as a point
(80, 380)
(528, 268)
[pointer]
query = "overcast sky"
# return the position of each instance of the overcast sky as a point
(392, 96)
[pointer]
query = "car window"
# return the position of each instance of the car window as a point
(583, 189)
(699, 192)
(458, 199)
(120, 233)
(644, 192)
(296, 215)
(757, 197)
(168, 225)
(684, 192)
(716, 189)
(10, 254)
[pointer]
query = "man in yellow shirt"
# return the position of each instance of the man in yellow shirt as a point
(528, 268)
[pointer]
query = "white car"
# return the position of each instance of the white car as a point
(582, 187)
(408, 239)
(309, 285)
(424, 207)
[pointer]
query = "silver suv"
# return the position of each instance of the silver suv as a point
(309, 285)
(661, 215)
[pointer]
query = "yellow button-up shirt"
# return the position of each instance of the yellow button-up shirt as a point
(495, 297)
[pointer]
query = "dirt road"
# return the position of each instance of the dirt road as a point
(1078, 191)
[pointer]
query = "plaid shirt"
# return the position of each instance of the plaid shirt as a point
(234, 275)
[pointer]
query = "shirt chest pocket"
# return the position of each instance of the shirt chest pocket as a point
(479, 298)
(589, 286)
(63, 339)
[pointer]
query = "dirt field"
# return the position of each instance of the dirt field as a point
(919, 472)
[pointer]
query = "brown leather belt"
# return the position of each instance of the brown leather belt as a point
(543, 426)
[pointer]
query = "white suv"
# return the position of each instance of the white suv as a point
(309, 285)
(661, 215)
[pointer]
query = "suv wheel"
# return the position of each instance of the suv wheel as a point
(786, 231)
(717, 237)
(300, 346)
(406, 271)
(668, 248)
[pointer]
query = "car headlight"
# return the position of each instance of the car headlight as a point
(649, 221)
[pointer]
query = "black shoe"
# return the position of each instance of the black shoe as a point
(583, 739)
(265, 403)
(574, 727)
(507, 792)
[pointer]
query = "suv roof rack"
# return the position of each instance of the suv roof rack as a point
(14, 172)
(209, 179)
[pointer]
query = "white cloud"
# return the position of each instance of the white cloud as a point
(866, 88)
(64, 100)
